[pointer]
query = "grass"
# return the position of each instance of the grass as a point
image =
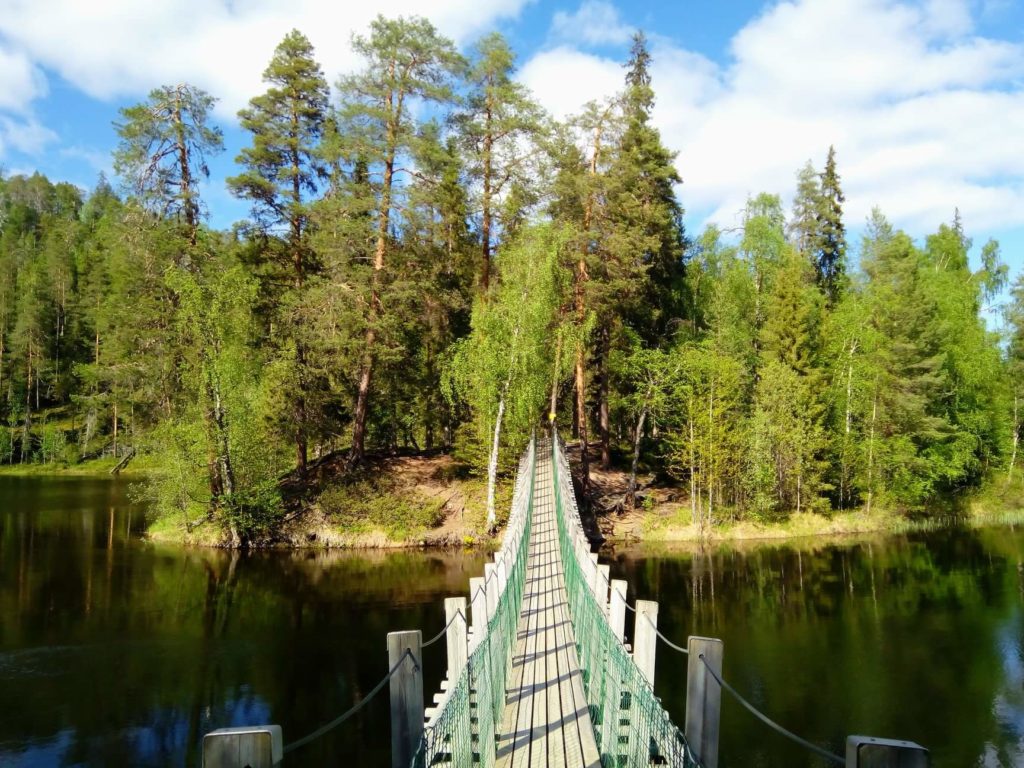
(171, 530)
(380, 503)
(138, 467)
(998, 503)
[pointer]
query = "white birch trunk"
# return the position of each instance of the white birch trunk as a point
(492, 467)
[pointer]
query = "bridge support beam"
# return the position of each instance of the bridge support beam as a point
(703, 699)
(406, 696)
(645, 638)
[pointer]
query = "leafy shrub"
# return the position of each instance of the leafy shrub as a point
(52, 444)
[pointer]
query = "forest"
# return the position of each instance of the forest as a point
(432, 262)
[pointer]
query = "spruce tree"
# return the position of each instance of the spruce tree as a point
(831, 235)
(803, 227)
(644, 203)
(282, 172)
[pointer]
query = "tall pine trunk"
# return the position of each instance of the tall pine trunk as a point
(393, 104)
(630, 499)
(485, 219)
(1016, 439)
(602, 397)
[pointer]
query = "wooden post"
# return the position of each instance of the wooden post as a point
(502, 575)
(478, 598)
(604, 582)
(491, 579)
(703, 699)
(869, 752)
(259, 746)
(617, 609)
(594, 577)
(406, 696)
(456, 636)
(645, 641)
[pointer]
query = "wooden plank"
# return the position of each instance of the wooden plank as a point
(546, 721)
(539, 729)
(556, 714)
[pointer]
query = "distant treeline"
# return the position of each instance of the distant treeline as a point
(433, 261)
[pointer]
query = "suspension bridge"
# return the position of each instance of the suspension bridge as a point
(539, 672)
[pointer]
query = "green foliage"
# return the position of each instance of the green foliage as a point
(52, 444)
(430, 264)
(163, 149)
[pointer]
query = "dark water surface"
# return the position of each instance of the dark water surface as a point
(115, 652)
(916, 637)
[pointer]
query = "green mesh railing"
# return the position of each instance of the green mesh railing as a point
(631, 726)
(463, 728)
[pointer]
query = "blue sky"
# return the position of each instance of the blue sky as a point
(923, 99)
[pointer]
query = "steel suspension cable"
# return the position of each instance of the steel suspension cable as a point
(343, 717)
(440, 634)
(769, 722)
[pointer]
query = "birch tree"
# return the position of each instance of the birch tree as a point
(503, 368)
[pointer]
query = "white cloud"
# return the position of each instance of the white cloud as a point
(564, 79)
(27, 136)
(595, 22)
(22, 82)
(925, 115)
(116, 48)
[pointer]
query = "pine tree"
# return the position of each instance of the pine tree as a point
(163, 150)
(405, 60)
(499, 128)
(282, 170)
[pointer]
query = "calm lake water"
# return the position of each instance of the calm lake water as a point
(115, 652)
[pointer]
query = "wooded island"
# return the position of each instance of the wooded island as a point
(433, 265)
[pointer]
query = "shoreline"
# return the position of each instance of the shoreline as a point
(458, 526)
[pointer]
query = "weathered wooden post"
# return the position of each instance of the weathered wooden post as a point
(604, 581)
(458, 649)
(594, 577)
(645, 641)
(617, 608)
(869, 752)
(478, 598)
(257, 746)
(491, 579)
(502, 573)
(406, 696)
(703, 699)
(457, 636)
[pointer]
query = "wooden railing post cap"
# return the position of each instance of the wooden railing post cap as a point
(872, 752)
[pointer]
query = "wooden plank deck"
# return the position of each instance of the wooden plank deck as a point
(546, 721)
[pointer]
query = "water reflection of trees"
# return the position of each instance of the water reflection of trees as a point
(136, 650)
(896, 637)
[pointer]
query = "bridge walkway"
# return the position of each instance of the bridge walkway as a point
(546, 720)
